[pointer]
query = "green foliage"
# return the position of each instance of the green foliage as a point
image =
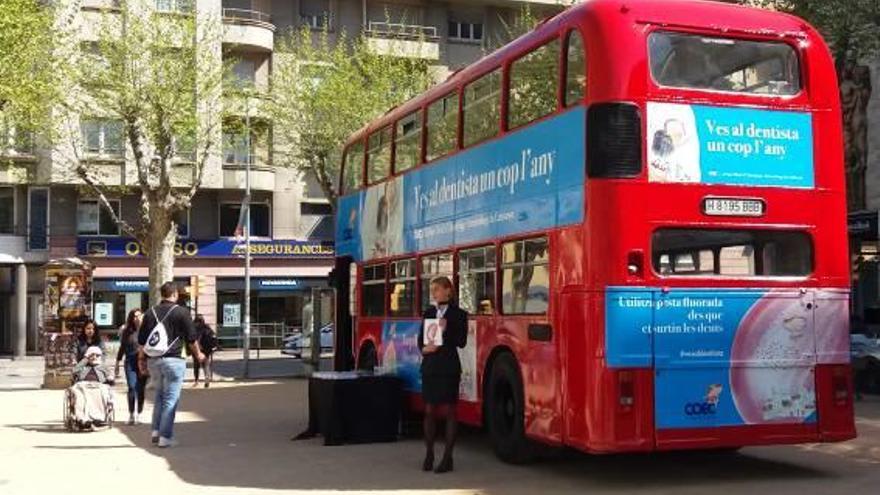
(325, 87)
(850, 27)
(28, 71)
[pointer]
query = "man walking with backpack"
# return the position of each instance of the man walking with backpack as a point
(166, 328)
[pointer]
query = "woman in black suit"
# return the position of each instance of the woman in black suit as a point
(441, 371)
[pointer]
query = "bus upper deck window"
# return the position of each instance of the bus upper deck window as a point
(442, 127)
(353, 171)
(575, 69)
(379, 155)
(724, 64)
(482, 108)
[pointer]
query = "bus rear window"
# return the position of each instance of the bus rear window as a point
(732, 253)
(724, 64)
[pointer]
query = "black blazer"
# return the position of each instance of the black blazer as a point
(445, 360)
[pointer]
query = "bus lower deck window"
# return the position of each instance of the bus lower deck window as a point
(476, 280)
(373, 291)
(525, 280)
(724, 64)
(732, 253)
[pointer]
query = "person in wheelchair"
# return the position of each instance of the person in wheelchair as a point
(90, 368)
(89, 400)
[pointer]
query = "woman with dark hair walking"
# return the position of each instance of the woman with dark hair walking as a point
(444, 330)
(207, 338)
(88, 338)
(128, 348)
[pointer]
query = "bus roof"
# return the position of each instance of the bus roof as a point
(726, 18)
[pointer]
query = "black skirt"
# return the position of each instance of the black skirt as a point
(440, 389)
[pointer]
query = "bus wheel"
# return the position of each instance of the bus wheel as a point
(367, 359)
(505, 412)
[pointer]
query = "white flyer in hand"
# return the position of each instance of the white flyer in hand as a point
(433, 333)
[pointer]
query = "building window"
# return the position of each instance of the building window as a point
(315, 209)
(476, 280)
(175, 5)
(353, 172)
(379, 155)
(575, 70)
(433, 266)
(15, 139)
(38, 218)
(315, 14)
(402, 288)
(373, 291)
(525, 281)
(103, 137)
(230, 217)
(465, 31)
(244, 74)
(408, 142)
(442, 127)
(92, 218)
(533, 83)
(181, 218)
(482, 108)
(7, 210)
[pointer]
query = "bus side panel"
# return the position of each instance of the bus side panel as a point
(538, 365)
(614, 423)
(369, 330)
(574, 326)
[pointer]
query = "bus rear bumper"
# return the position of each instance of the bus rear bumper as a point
(744, 436)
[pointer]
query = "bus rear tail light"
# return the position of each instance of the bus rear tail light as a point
(840, 386)
(614, 140)
(626, 390)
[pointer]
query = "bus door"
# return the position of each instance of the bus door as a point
(729, 357)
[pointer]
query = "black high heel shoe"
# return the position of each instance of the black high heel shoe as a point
(445, 465)
(428, 463)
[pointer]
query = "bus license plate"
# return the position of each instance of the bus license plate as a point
(733, 207)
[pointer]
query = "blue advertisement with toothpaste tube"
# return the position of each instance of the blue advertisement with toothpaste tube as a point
(734, 146)
(726, 357)
(531, 179)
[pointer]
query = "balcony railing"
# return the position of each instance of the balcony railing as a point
(402, 31)
(240, 160)
(247, 15)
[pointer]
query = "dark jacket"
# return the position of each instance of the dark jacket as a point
(128, 344)
(445, 360)
(207, 338)
(178, 324)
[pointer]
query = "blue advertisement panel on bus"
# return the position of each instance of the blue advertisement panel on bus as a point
(735, 146)
(529, 180)
(726, 357)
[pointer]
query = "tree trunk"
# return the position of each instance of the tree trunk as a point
(162, 237)
(855, 93)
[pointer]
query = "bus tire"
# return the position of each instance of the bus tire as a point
(505, 408)
(367, 358)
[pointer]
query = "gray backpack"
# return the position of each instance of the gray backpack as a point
(157, 342)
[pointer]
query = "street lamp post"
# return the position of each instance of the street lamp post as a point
(247, 242)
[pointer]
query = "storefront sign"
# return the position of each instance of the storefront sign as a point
(104, 314)
(217, 248)
(280, 284)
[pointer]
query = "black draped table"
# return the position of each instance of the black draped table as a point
(354, 407)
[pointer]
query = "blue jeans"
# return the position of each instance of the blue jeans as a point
(136, 384)
(168, 374)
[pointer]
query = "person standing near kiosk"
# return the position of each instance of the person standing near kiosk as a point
(444, 330)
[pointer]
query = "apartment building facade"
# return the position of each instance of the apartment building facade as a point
(45, 213)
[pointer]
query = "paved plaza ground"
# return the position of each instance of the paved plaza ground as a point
(235, 439)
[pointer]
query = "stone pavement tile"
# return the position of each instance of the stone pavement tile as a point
(21, 374)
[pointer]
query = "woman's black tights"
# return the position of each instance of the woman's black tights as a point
(430, 426)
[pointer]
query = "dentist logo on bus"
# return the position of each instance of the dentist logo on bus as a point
(709, 405)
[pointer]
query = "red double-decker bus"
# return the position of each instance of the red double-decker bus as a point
(642, 206)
